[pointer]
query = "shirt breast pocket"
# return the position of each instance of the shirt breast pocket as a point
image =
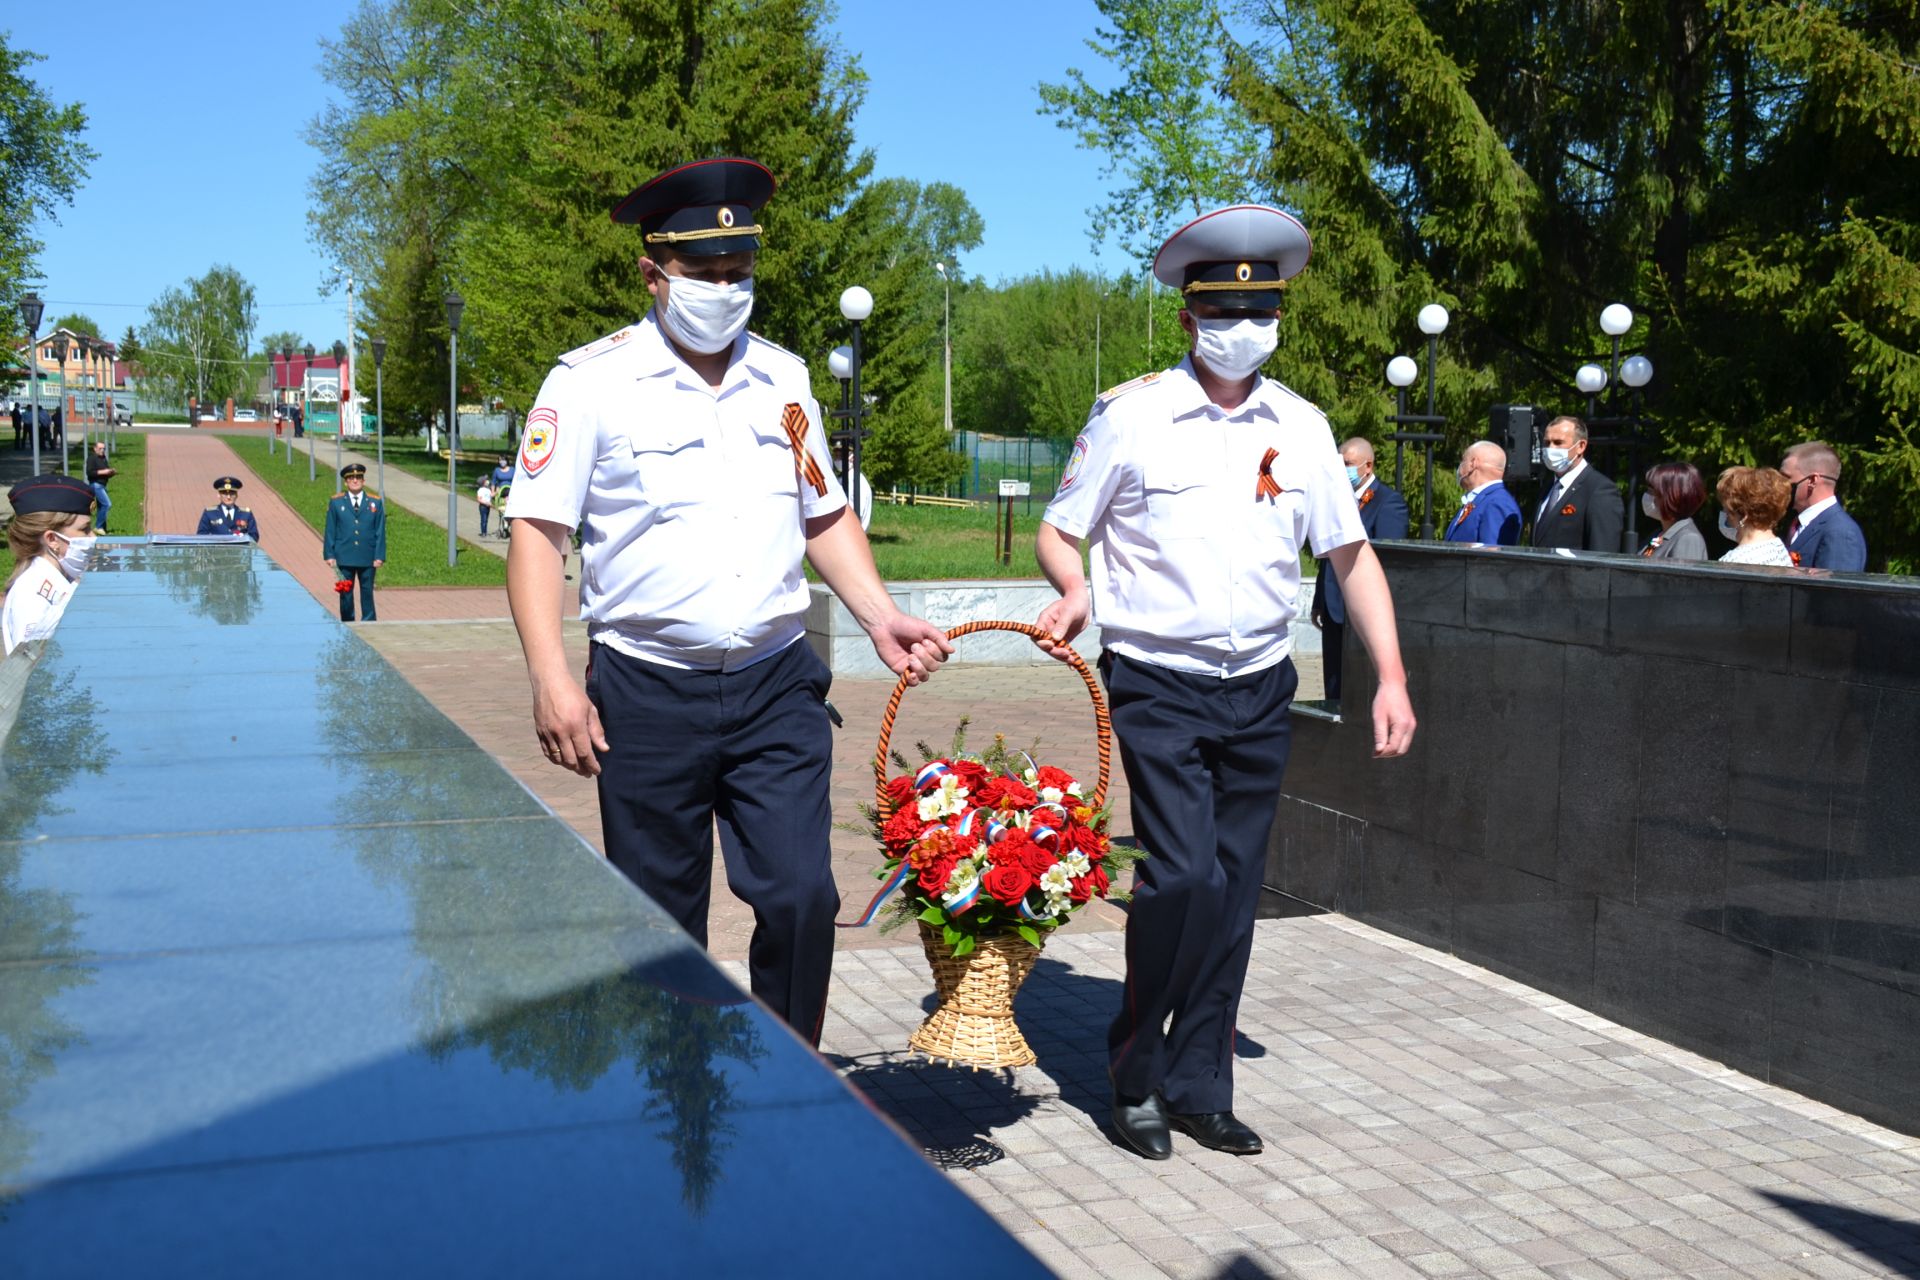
(771, 467)
(1180, 500)
(669, 467)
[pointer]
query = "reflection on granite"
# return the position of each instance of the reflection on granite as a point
(1680, 794)
(295, 979)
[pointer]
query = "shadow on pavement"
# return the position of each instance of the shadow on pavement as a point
(1892, 1242)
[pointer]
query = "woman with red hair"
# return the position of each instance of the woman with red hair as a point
(1752, 501)
(1674, 492)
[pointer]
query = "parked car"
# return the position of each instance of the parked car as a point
(122, 415)
(246, 415)
(209, 414)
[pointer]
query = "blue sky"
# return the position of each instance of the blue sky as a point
(198, 112)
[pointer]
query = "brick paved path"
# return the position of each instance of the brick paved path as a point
(1423, 1117)
(180, 474)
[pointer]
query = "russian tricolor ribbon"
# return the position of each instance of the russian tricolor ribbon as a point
(960, 899)
(794, 420)
(930, 772)
(1267, 487)
(898, 878)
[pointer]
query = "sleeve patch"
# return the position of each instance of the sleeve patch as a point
(536, 448)
(1075, 461)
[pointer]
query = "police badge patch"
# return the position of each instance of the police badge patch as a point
(536, 449)
(1072, 472)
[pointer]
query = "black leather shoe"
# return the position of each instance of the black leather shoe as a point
(1142, 1126)
(1220, 1131)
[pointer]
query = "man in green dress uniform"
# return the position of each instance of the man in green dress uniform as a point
(356, 539)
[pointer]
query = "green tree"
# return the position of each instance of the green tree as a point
(43, 161)
(76, 322)
(197, 336)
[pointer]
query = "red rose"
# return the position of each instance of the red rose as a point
(1059, 779)
(900, 791)
(1005, 793)
(972, 774)
(1037, 861)
(1086, 840)
(1007, 883)
(1092, 884)
(343, 586)
(934, 876)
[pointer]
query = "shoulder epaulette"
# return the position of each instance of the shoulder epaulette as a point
(1111, 394)
(341, 494)
(598, 347)
(774, 346)
(248, 510)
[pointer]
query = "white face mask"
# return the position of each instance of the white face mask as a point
(1557, 460)
(704, 317)
(1235, 349)
(1728, 529)
(1648, 505)
(74, 562)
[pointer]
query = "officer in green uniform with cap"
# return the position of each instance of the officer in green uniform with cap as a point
(356, 539)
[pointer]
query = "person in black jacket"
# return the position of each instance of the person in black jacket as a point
(1581, 510)
(99, 471)
(1383, 513)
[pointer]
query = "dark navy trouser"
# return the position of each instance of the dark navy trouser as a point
(1204, 758)
(753, 749)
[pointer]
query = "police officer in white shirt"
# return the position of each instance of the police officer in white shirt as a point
(691, 456)
(1198, 488)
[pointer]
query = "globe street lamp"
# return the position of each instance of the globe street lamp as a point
(379, 346)
(60, 354)
(856, 304)
(455, 305)
(31, 309)
(340, 373)
(1621, 419)
(946, 345)
(1402, 373)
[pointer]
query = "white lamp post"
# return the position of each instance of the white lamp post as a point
(946, 346)
(455, 305)
(1402, 373)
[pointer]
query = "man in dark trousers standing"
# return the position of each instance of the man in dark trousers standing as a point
(1582, 510)
(356, 539)
(1822, 535)
(1197, 488)
(1384, 514)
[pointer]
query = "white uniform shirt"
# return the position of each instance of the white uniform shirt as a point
(689, 503)
(34, 603)
(1190, 570)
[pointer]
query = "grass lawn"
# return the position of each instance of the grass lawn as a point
(128, 488)
(912, 543)
(416, 547)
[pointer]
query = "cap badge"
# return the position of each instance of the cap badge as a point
(726, 216)
(1243, 272)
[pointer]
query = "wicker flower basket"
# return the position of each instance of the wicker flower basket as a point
(974, 1023)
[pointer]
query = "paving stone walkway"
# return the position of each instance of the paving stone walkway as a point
(1423, 1118)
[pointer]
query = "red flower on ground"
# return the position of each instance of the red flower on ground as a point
(1007, 883)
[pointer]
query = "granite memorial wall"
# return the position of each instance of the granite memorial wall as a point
(1681, 796)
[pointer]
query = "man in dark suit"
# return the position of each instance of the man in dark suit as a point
(356, 539)
(1488, 514)
(1383, 513)
(229, 516)
(1822, 535)
(1581, 510)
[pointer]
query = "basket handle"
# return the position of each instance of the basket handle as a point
(1102, 723)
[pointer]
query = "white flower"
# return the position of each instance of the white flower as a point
(1030, 775)
(1051, 794)
(1057, 904)
(947, 798)
(1056, 882)
(965, 873)
(1076, 864)
(1074, 791)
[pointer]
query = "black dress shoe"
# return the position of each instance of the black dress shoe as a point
(1142, 1126)
(1220, 1131)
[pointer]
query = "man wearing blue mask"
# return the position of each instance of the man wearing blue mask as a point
(692, 458)
(1384, 514)
(1581, 510)
(1197, 489)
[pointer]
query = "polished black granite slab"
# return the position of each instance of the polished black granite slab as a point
(1681, 795)
(295, 980)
